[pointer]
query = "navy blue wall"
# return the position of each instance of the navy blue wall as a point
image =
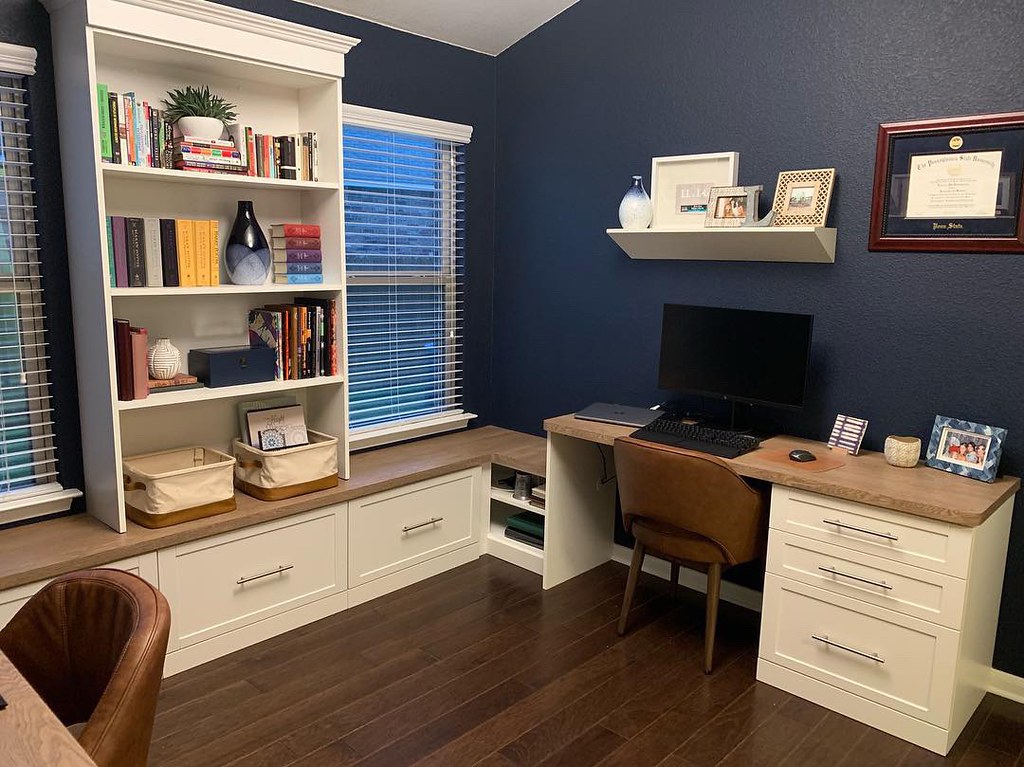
(589, 98)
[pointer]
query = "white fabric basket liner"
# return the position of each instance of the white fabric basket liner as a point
(172, 480)
(273, 469)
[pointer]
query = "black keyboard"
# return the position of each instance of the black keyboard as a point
(692, 436)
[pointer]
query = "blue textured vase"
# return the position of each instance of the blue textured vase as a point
(247, 257)
(635, 210)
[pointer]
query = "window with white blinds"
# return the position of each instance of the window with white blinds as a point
(404, 222)
(28, 460)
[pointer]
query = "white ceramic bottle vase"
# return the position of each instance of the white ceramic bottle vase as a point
(635, 210)
(164, 359)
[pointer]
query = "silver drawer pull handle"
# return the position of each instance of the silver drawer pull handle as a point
(869, 655)
(281, 569)
(837, 523)
(432, 521)
(833, 571)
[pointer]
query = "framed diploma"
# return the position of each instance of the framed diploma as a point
(950, 185)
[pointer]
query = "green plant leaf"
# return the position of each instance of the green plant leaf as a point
(192, 101)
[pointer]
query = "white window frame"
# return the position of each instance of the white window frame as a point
(383, 434)
(49, 498)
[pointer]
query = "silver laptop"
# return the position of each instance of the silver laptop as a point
(623, 415)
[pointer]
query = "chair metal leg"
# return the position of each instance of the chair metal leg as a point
(634, 575)
(674, 579)
(711, 617)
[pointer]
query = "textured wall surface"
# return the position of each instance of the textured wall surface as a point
(589, 98)
(25, 22)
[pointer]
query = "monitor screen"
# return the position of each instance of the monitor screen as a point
(735, 354)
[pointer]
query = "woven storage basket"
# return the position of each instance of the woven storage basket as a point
(271, 475)
(176, 486)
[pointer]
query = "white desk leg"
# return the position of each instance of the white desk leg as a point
(580, 512)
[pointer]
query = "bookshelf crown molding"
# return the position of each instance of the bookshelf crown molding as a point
(17, 59)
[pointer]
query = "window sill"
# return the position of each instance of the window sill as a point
(53, 499)
(386, 435)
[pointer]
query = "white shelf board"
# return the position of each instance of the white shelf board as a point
(221, 392)
(800, 244)
(225, 290)
(516, 553)
(111, 171)
(505, 496)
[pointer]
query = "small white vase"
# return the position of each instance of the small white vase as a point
(164, 360)
(201, 127)
(635, 210)
(903, 452)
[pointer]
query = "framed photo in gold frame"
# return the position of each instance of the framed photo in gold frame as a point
(802, 197)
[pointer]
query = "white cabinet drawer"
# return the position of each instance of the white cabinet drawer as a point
(916, 541)
(910, 590)
(12, 600)
(221, 583)
(398, 528)
(831, 638)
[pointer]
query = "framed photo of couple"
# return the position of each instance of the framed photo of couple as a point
(965, 448)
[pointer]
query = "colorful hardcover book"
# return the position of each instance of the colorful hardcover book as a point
(135, 237)
(295, 243)
(111, 264)
(250, 148)
(202, 252)
(193, 165)
(123, 360)
(169, 251)
(265, 327)
(295, 230)
(127, 101)
(221, 142)
(140, 368)
(298, 279)
(180, 379)
(103, 112)
(154, 264)
(120, 252)
(294, 256)
(214, 252)
(186, 236)
(293, 268)
(115, 129)
(122, 129)
(167, 156)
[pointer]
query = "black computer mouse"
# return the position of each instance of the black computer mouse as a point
(802, 456)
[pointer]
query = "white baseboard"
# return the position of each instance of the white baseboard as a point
(1006, 685)
(737, 595)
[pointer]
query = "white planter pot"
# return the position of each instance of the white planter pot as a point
(201, 127)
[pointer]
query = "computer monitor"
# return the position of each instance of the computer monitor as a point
(735, 354)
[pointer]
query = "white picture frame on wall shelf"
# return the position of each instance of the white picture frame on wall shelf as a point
(681, 185)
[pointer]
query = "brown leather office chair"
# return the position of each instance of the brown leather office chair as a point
(92, 644)
(689, 508)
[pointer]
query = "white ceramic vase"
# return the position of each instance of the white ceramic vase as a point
(903, 452)
(164, 360)
(201, 127)
(635, 210)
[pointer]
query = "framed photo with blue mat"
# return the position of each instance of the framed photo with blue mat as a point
(965, 448)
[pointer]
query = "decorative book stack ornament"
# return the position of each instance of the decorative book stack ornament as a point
(247, 256)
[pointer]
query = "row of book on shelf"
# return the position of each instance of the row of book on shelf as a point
(134, 132)
(302, 335)
(168, 252)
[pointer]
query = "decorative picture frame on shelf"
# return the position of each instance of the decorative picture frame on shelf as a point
(680, 186)
(802, 197)
(950, 185)
(965, 448)
(732, 206)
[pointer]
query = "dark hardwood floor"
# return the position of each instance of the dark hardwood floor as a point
(479, 665)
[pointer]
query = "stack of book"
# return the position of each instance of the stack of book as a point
(207, 155)
(304, 335)
(131, 131)
(526, 527)
(131, 345)
(293, 156)
(298, 256)
(162, 252)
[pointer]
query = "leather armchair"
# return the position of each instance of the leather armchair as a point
(92, 644)
(688, 508)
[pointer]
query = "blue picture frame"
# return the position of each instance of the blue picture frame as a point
(965, 448)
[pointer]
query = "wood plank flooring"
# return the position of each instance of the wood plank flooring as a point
(480, 666)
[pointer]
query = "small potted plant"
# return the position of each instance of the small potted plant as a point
(199, 113)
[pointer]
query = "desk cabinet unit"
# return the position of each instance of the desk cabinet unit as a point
(885, 617)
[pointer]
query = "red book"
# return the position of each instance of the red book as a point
(295, 230)
(296, 243)
(123, 360)
(140, 366)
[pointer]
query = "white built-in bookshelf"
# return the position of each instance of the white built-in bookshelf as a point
(285, 78)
